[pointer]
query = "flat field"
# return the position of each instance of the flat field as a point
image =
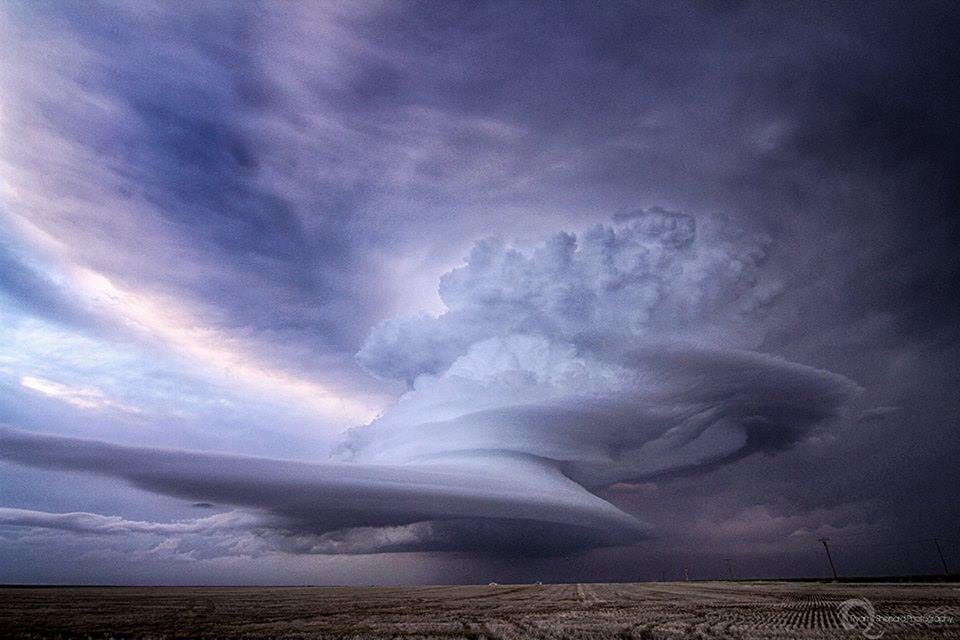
(645, 610)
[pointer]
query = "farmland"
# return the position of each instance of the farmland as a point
(587, 610)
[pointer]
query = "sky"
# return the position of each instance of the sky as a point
(443, 292)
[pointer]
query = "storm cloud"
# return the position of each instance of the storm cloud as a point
(494, 278)
(507, 436)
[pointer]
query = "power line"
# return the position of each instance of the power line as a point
(935, 540)
(884, 544)
(843, 536)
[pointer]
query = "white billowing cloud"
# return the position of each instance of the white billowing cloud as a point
(92, 523)
(232, 533)
(617, 357)
(659, 276)
(555, 372)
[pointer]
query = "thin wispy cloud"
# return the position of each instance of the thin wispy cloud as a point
(82, 397)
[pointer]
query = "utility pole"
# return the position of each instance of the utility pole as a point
(829, 557)
(936, 543)
(729, 567)
(686, 574)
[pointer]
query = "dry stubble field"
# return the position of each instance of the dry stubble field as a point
(650, 610)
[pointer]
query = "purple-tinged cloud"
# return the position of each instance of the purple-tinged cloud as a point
(560, 371)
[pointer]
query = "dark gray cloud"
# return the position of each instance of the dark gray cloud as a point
(305, 174)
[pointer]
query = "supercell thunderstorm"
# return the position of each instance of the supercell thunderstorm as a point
(629, 353)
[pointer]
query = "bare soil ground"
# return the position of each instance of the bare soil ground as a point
(751, 610)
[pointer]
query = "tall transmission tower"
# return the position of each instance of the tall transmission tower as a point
(824, 541)
(936, 543)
